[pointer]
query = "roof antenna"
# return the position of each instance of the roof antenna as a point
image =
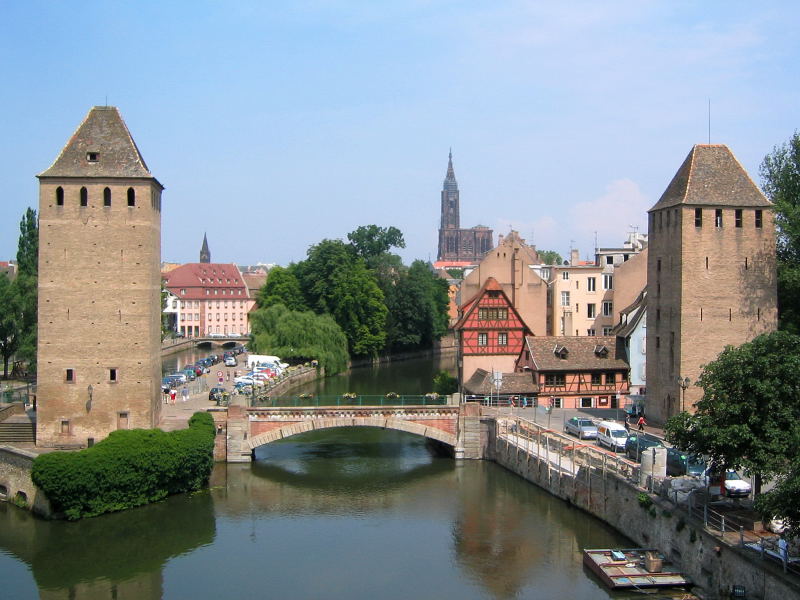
(106, 100)
(709, 121)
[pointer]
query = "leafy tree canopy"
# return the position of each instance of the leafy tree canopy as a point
(417, 309)
(336, 281)
(370, 240)
(780, 173)
(550, 257)
(281, 287)
(749, 416)
(299, 336)
(10, 321)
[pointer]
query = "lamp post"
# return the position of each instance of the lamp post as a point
(683, 382)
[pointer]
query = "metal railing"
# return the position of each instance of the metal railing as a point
(344, 400)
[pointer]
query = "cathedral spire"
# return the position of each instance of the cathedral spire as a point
(205, 253)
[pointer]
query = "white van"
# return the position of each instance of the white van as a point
(612, 435)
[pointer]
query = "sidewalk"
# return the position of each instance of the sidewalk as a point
(176, 416)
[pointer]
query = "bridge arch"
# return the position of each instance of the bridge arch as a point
(297, 428)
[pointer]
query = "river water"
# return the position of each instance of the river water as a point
(342, 513)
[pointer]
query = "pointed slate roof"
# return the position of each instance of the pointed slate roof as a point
(450, 184)
(102, 146)
(205, 253)
(711, 176)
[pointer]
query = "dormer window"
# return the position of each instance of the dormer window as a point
(93, 156)
(601, 351)
(561, 351)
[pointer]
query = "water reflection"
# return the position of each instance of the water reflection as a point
(114, 556)
(340, 513)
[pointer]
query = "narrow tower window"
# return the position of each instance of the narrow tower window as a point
(738, 217)
(706, 262)
(718, 218)
(84, 197)
(59, 196)
(69, 376)
(758, 219)
(131, 197)
(698, 217)
(107, 197)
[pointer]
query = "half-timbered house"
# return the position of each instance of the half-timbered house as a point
(490, 331)
(576, 372)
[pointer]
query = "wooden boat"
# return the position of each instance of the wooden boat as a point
(632, 568)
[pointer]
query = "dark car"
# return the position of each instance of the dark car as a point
(637, 444)
(215, 393)
(682, 463)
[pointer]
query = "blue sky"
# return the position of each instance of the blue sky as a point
(274, 125)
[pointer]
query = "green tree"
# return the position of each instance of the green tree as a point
(749, 416)
(370, 241)
(26, 283)
(550, 257)
(445, 384)
(780, 174)
(281, 287)
(299, 336)
(417, 309)
(10, 321)
(336, 281)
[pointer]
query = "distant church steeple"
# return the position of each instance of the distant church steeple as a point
(205, 253)
(450, 208)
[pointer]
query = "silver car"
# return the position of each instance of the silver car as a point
(584, 428)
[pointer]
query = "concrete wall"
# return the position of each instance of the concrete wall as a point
(712, 564)
(15, 477)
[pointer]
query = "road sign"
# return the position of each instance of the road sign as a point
(220, 379)
(219, 374)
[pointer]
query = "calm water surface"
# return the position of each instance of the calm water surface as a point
(342, 513)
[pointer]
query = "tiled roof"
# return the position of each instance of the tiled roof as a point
(104, 135)
(711, 176)
(195, 278)
(513, 383)
(581, 353)
(632, 315)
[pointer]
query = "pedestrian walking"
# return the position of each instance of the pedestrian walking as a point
(627, 422)
(172, 396)
(185, 394)
(641, 423)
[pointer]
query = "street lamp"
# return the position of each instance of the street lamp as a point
(684, 383)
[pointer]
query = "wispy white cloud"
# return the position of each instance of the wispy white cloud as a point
(620, 208)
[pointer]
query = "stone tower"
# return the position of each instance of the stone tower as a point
(205, 253)
(456, 245)
(99, 347)
(710, 274)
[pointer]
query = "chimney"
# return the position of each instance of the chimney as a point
(574, 256)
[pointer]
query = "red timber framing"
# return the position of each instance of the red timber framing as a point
(489, 324)
(576, 372)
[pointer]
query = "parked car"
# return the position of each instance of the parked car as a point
(190, 374)
(230, 361)
(612, 435)
(584, 428)
(637, 443)
(682, 463)
(215, 393)
(180, 377)
(729, 484)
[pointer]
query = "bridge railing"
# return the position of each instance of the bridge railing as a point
(358, 400)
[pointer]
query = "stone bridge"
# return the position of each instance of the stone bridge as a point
(249, 428)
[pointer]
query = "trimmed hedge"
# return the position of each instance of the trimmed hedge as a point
(127, 469)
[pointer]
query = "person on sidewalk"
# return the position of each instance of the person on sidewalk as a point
(641, 423)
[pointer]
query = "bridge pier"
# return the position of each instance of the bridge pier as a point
(238, 449)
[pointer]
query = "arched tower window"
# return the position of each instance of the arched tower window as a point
(59, 196)
(84, 197)
(131, 197)
(107, 197)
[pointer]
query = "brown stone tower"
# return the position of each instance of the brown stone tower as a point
(99, 359)
(710, 274)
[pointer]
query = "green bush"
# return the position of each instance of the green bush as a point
(645, 501)
(128, 468)
(445, 384)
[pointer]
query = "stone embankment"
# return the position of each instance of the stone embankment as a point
(607, 487)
